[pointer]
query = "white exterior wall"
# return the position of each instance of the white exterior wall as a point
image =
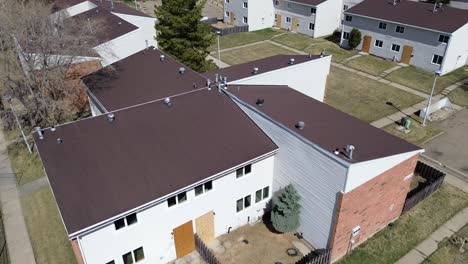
(129, 43)
(155, 224)
(318, 177)
(327, 18)
(261, 14)
(456, 55)
(309, 78)
(360, 173)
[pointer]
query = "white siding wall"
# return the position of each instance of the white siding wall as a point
(456, 55)
(327, 19)
(261, 14)
(309, 78)
(317, 177)
(155, 224)
(360, 173)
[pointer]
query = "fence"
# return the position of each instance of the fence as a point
(204, 251)
(230, 30)
(434, 179)
(321, 256)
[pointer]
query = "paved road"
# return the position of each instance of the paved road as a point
(452, 147)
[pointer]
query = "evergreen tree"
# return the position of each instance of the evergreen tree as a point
(286, 211)
(354, 38)
(181, 34)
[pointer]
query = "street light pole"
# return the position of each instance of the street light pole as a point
(437, 74)
(219, 52)
(19, 125)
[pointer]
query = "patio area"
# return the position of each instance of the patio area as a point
(258, 243)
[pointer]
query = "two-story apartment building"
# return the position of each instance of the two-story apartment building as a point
(427, 36)
(315, 18)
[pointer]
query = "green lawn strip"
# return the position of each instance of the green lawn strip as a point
(392, 243)
(422, 80)
(46, 231)
(26, 166)
(448, 253)
(365, 98)
(244, 38)
(255, 52)
(296, 41)
(371, 64)
(459, 96)
(338, 53)
(418, 134)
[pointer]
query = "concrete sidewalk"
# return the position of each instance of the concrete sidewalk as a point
(18, 243)
(430, 245)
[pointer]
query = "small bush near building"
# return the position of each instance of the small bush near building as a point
(354, 38)
(286, 211)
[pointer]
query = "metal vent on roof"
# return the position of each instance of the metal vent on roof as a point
(40, 133)
(181, 70)
(53, 129)
(59, 141)
(120, 23)
(167, 101)
(291, 61)
(350, 151)
(260, 101)
(255, 70)
(300, 125)
(110, 117)
(162, 57)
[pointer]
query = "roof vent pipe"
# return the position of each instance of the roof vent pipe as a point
(59, 141)
(162, 57)
(300, 125)
(208, 84)
(255, 70)
(167, 101)
(225, 82)
(53, 129)
(260, 101)
(350, 150)
(110, 117)
(216, 78)
(112, 4)
(291, 61)
(394, 2)
(322, 53)
(181, 70)
(434, 9)
(40, 133)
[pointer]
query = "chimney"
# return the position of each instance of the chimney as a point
(162, 57)
(291, 61)
(255, 70)
(300, 125)
(110, 117)
(181, 70)
(40, 133)
(350, 150)
(167, 101)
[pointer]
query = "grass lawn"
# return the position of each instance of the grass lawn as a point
(338, 53)
(47, 233)
(392, 243)
(240, 39)
(27, 167)
(297, 41)
(448, 253)
(459, 96)
(371, 64)
(418, 134)
(255, 52)
(365, 98)
(422, 80)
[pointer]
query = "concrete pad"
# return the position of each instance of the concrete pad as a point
(413, 257)
(397, 116)
(427, 247)
(441, 233)
(409, 110)
(301, 247)
(458, 221)
(382, 122)
(384, 81)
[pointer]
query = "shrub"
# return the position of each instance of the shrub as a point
(286, 211)
(354, 38)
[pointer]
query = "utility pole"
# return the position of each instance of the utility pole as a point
(437, 74)
(8, 98)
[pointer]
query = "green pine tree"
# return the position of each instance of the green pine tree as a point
(286, 211)
(181, 34)
(354, 38)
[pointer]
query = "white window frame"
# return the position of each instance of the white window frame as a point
(313, 10)
(380, 41)
(226, 14)
(242, 171)
(262, 194)
(311, 26)
(244, 199)
(177, 200)
(443, 38)
(400, 27)
(345, 7)
(276, 2)
(396, 45)
(346, 35)
(384, 25)
(348, 18)
(290, 20)
(132, 254)
(125, 220)
(245, 5)
(439, 56)
(204, 190)
(244, 20)
(226, 1)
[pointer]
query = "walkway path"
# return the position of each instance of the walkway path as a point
(33, 186)
(19, 245)
(218, 63)
(430, 245)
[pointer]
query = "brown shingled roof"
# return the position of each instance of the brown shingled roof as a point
(445, 19)
(309, 2)
(120, 8)
(244, 70)
(140, 78)
(325, 126)
(103, 169)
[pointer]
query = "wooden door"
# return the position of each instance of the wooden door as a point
(231, 15)
(366, 44)
(294, 24)
(278, 21)
(184, 239)
(205, 227)
(406, 56)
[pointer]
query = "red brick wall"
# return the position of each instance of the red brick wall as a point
(77, 251)
(371, 206)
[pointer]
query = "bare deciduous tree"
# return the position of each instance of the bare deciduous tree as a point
(42, 56)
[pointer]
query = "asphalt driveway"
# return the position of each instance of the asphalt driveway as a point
(451, 148)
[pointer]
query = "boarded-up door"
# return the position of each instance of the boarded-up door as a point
(231, 15)
(366, 44)
(278, 21)
(184, 239)
(294, 24)
(205, 227)
(406, 56)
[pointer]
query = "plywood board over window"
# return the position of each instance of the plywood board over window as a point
(205, 227)
(184, 239)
